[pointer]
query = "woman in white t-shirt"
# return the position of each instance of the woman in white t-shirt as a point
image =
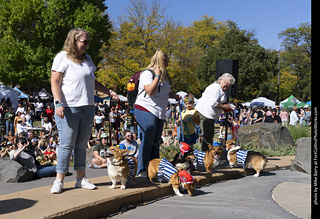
(210, 106)
(97, 122)
(150, 108)
(73, 84)
(47, 126)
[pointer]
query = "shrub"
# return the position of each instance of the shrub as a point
(299, 132)
(283, 150)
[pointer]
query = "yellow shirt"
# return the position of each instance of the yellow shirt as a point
(189, 126)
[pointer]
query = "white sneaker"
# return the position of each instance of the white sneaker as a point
(57, 186)
(84, 183)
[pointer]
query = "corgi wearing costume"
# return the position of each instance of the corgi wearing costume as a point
(184, 157)
(246, 158)
(120, 167)
(164, 170)
(209, 159)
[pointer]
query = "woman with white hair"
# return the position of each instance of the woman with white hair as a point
(210, 106)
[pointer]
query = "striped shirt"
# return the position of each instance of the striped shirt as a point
(199, 158)
(131, 165)
(166, 169)
(241, 157)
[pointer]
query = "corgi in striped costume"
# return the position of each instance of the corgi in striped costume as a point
(209, 159)
(164, 170)
(247, 159)
(120, 167)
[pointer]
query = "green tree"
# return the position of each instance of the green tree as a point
(133, 42)
(145, 28)
(257, 65)
(296, 56)
(191, 44)
(33, 31)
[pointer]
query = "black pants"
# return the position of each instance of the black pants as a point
(207, 130)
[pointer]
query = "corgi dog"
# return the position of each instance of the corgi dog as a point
(247, 158)
(209, 159)
(162, 169)
(183, 158)
(120, 167)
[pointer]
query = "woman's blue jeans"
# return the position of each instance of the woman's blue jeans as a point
(46, 170)
(151, 134)
(74, 131)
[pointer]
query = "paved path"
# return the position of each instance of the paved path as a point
(248, 197)
(34, 198)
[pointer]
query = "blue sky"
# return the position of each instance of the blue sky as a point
(266, 17)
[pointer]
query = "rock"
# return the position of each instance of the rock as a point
(89, 155)
(265, 135)
(302, 160)
(12, 172)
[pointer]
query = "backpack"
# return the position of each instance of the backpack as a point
(133, 87)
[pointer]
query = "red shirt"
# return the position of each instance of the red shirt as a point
(49, 152)
(50, 113)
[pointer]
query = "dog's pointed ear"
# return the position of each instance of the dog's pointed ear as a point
(125, 152)
(210, 147)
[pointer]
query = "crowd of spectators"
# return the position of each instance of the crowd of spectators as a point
(42, 140)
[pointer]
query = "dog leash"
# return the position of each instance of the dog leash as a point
(146, 134)
(181, 122)
(118, 122)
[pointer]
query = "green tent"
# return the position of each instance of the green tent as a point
(291, 101)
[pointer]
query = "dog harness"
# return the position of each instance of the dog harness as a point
(241, 157)
(131, 168)
(199, 158)
(166, 169)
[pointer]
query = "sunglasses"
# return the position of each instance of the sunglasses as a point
(129, 136)
(86, 42)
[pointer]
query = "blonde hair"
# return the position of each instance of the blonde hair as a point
(159, 60)
(226, 76)
(69, 44)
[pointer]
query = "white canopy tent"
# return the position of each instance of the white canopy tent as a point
(263, 101)
(8, 92)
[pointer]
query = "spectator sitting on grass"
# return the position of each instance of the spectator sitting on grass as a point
(7, 149)
(99, 151)
(28, 160)
(47, 126)
(50, 154)
(130, 144)
(169, 140)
